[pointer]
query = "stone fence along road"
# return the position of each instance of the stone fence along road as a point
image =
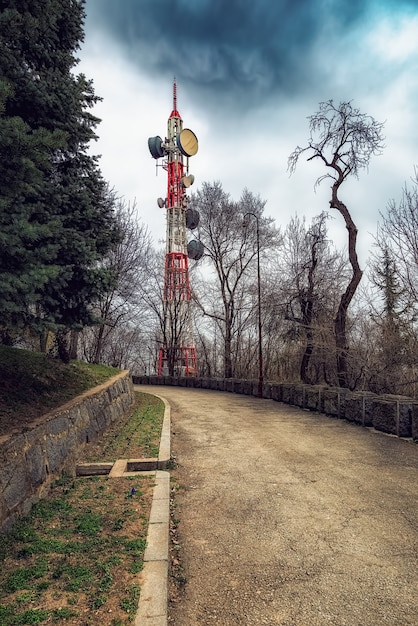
(396, 415)
(290, 518)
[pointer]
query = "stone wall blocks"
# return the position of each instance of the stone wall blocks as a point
(298, 395)
(32, 459)
(254, 389)
(6, 515)
(229, 385)
(17, 485)
(82, 435)
(12, 455)
(58, 426)
(36, 465)
(414, 421)
(267, 391)
(56, 455)
(332, 402)
(102, 420)
(393, 414)
(92, 431)
(359, 407)
(238, 385)
(80, 417)
(288, 392)
(314, 397)
(404, 425)
(277, 392)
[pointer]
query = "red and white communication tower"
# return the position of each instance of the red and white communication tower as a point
(177, 355)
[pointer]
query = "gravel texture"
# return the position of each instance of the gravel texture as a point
(289, 517)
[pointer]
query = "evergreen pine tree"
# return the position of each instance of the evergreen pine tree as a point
(56, 214)
(392, 322)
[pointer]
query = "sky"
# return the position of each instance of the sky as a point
(249, 74)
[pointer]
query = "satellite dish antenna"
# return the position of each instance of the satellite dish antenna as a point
(155, 145)
(195, 249)
(188, 180)
(187, 142)
(192, 219)
(161, 203)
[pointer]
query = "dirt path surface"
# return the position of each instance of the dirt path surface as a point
(289, 517)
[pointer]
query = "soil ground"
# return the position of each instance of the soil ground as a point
(79, 566)
(288, 517)
(76, 559)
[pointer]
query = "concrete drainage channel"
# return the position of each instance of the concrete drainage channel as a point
(152, 607)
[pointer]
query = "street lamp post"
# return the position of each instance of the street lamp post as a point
(260, 344)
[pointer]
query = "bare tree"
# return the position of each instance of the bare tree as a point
(311, 271)
(302, 294)
(398, 232)
(344, 140)
(122, 304)
(230, 251)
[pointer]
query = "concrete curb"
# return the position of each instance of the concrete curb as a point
(164, 454)
(152, 606)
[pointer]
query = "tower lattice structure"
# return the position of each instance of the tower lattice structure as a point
(177, 354)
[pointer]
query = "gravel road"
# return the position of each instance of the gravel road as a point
(289, 517)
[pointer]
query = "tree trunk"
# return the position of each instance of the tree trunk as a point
(304, 365)
(227, 354)
(43, 341)
(62, 345)
(307, 308)
(74, 344)
(340, 320)
(98, 344)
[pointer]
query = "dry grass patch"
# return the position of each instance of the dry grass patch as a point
(76, 558)
(138, 437)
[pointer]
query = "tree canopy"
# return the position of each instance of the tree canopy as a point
(56, 214)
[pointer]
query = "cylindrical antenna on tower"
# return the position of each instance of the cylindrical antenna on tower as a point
(174, 94)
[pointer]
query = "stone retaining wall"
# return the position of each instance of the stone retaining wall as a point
(32, 459)
(396, 415)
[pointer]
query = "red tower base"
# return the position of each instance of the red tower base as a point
(185, 361)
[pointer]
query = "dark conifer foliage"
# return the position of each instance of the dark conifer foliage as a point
(56, 212)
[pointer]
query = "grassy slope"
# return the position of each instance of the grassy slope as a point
(32, 384)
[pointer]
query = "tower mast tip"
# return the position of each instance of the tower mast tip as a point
(175, 113)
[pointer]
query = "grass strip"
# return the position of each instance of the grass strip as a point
(138, 437)
(75, 557)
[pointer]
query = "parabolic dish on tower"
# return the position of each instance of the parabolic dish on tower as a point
(192, 219)
(155, 146)
(187, 142)
(195, 249)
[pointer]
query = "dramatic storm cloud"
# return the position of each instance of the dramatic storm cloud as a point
(249, 73)
(234, 52)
